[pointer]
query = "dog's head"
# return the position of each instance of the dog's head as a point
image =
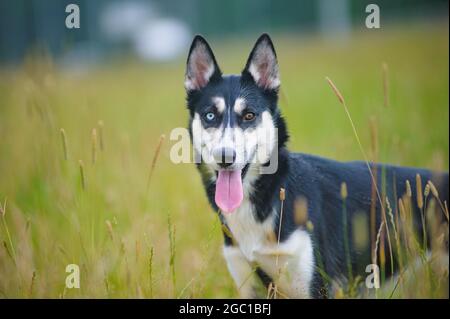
(235, 123)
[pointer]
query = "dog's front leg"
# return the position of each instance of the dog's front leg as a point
(242, 272)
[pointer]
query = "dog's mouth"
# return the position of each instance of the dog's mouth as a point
(229, 190)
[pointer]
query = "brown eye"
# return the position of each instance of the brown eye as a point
(249, 116)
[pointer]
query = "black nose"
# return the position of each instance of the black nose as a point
(224, 156)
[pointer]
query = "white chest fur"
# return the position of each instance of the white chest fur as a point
(290, 263)
(250, 234)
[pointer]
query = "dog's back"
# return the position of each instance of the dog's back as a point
(319, 181)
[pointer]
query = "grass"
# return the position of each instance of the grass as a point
(78, 152)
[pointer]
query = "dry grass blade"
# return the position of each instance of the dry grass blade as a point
(446, 210)
(100, 135)
(391, 216)
(64, 143)
(385, 84)
(82, 176)
(155, 158)
(377, 242)
(282, 199)
(227, 232)
(150, 271)
(270, 291)
(3, 209)
(94, 145)
(8, 234)
(374, 137)
(171, 231)
(5, 245)
(435, 193)
(366, 160)
(33, 279)
(282, 196)
(110, 230)
(335, 90)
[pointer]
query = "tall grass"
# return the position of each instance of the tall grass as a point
(59, 203)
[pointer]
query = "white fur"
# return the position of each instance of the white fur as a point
(241, 271)
(219, 102)
(290, 264)
(239, 105)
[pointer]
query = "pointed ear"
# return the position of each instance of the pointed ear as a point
(262, 65)
(201, 65)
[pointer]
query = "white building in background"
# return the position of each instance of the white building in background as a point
(151, 36)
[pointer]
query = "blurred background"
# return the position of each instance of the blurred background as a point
(160, 30)
(86, 115)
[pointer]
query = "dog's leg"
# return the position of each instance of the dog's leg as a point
(241, 270)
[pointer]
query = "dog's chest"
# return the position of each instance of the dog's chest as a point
(290, 263)
(251, 235)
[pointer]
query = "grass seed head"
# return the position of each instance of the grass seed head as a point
(109, 227)
(335, 90)
(301, 211)
(3, 209)
(434, 190)
(344, 192)
(426, 192)
(419, 194)
(310, 226)
(282, 194)
(82, 176)
(94, 145)
(408, 189)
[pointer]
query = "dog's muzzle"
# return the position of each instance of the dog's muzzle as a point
(224, 156)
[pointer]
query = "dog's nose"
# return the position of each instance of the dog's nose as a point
(224, 156)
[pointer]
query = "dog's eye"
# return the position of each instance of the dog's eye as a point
(210, 116)
(249, 116)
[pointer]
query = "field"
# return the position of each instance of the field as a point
(135, 236)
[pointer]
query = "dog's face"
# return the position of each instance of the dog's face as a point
(233, 119)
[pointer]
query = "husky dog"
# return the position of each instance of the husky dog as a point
(238, 132)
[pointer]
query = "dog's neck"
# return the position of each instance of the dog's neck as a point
(266, 188)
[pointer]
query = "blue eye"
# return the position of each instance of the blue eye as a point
(210, 116)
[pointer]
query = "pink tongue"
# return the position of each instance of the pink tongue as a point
(229, 192)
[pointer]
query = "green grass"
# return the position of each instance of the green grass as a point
(53, 222)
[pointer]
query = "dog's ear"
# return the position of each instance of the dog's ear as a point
(262, 65)
(201, 65)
